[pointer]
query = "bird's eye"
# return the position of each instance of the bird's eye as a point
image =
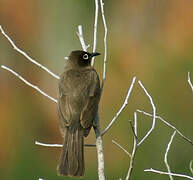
(85, 56)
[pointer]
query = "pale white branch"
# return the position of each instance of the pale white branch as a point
(105, 44)
(59, 145)
(66, 57)
(28, 83)
(122, 107)
(99, 147)
(154, 113)
(166, 173)
(119, 146)
(95, 29)
(100, 157)
(48, 145)
(168, 124)
(191, 170)
(26, 55)
(166, 155)
(81, 38)
(189, 81)
(99, 142)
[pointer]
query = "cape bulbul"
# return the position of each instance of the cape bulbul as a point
(79, 93)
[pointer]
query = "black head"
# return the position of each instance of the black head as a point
(81, 58)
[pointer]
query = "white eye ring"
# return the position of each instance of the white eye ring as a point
(85, 56)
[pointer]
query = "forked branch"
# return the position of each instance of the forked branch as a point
(166, 173)
(168, 124)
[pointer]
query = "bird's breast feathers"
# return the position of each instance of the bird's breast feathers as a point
(76, 82)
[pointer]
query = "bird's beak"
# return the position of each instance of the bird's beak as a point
(94, 54)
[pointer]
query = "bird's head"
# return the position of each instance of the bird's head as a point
(81, 58)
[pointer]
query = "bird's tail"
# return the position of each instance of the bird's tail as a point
(71, 162)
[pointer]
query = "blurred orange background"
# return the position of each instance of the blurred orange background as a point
(150, 40)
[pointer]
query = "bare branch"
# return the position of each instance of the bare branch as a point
(81, 38)
(28, 83)
(66, 58)
(119, 146)
(26, 55)
(135, 125)
(154, 113)
(122, 107)
(48, 145)
(131, 166)
(95, 29)
(100, 156)
(166, 173)
(99, 142)
(59, 145)
(166, 155)
(189, 81)
(191, 170)
(105, 44)
(99, 147)
(168, 124)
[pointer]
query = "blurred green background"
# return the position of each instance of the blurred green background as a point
(152, 40)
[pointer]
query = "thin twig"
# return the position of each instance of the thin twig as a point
(28, 83)
(122, 107)
(105, 44)
(26, 55)
(133, 128)
(154, 113)
(166, 155)
(81, 38)
(166, 173)
(168, 124)
(119, 146)
(191, 170)
(189, 81)
(48, 145)
(131, 165)
(59, 145)
(95, 29)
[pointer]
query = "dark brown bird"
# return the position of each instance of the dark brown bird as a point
(79, 93)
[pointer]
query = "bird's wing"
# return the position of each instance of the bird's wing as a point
(64, 108)
(89, 111)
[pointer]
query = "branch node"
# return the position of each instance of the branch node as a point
(133, 129)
